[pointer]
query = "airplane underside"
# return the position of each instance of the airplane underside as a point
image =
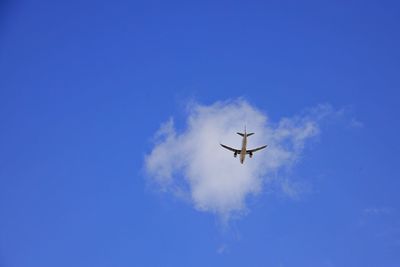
(243, 152)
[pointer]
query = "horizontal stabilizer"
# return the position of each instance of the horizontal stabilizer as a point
(241, 134)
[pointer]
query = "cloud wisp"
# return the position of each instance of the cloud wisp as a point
(191, 164)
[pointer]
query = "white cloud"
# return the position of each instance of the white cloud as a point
(192, 164)
(222, 249)
(377, 210)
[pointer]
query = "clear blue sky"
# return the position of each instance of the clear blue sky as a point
(85, 84)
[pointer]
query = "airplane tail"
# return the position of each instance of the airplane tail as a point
(242, 134)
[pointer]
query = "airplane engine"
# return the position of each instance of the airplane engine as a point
(234, 155)
(251, 155)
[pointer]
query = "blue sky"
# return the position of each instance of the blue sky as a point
(85, 85)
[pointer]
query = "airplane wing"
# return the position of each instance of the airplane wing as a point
(255, 149)
(231, 149)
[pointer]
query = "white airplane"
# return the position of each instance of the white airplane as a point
(243, 151)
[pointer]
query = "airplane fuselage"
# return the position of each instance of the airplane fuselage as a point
(243, 151)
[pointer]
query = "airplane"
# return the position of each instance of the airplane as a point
(243, 152)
